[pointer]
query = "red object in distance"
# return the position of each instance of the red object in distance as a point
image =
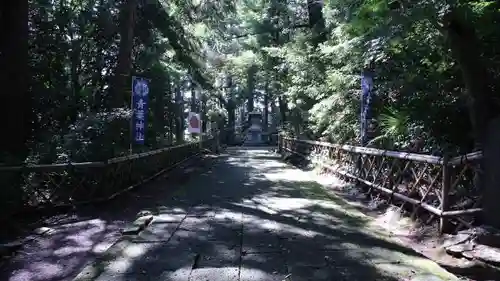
(194, 122)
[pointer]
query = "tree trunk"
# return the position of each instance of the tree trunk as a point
(179, 121)
(76, 101)
(274, 116)
(231, 119)
(203, 114)
(159, 111)
(124, 64)
(316, 21)
(283, 109)
(464, 44)
(171, 126)
(17, 114)
(193, 97)
(194, 108)
(250, 87)
(488, 179)
(266, 110)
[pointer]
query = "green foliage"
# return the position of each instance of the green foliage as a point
(73, 56)
(313, 88)
(394, 128)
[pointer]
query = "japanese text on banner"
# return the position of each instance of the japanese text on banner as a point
(140, 92)
(366, 96)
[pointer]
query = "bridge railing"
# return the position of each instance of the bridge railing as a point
(41, 187)
(442, 186)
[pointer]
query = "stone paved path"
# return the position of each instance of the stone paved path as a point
(253, 218)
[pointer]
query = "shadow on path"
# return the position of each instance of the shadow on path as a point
(79, 236)
(247, 217)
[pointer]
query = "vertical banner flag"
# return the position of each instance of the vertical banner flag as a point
(194, 123)
(140, 92)
(366, 96)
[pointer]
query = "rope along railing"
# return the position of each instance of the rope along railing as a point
(444, 187)
(70, 184)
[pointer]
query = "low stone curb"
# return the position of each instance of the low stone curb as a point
(95, 268)
(138, 225)
(9, 249)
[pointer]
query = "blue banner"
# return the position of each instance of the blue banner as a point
(140, 93)
(366, 96)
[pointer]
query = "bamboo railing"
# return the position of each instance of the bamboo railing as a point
(41, 187)
(442, 186)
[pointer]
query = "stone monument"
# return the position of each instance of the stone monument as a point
(254, 131)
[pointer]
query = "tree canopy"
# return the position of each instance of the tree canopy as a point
(435, 67)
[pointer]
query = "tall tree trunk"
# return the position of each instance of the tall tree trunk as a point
(231, 120)
(242, 122)
(283, 109)
(316, 21)
(76, 103)
(124, 64)
(203, 113)
(159, 111)
(464, 44)
(171, 126)
(266, 108)
(166, 111)
(17, 114)
(179, 120)
(274, 116)
(193, 97)
(18, 117)
(98, 81)
(250, 87)
(194, 108)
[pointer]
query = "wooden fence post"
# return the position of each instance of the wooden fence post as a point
(445, 190)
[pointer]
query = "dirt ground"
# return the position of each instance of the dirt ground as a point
(422, 237)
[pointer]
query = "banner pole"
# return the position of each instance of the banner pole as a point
(131, 116)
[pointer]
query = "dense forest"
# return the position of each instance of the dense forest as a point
(68, 68)
(68, 64)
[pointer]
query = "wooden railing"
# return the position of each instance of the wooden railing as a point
(39, 187)
(440, 185)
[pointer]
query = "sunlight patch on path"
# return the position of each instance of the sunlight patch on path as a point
(116, 262)
(394, 262)
(284, 174)
(270, 222)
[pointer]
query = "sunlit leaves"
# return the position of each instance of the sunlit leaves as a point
(480, 7)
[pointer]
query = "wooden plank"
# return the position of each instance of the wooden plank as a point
(459, 160)
(445, 192)
(376, 152)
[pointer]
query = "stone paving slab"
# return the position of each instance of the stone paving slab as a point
(158, 232)
(261, 242)
(229, 216)
(253, 218)
(225, 235)
(114, 264)
(142, 261)
(216, 274)
(309, 273)
(181, 274)
(173, 210)
(263, 267)
(220, 255)
(196, 224)
(202, 211)
(166, 218)
(189, 240)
